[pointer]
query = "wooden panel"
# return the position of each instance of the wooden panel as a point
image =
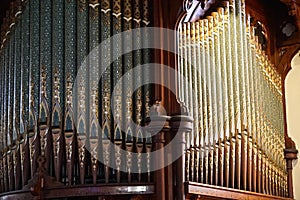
(212, 192)
(86, 191)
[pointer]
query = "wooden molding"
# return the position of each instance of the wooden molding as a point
(212, 192)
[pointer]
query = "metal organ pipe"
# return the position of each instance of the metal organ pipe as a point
(42, 48)
(237, 108)
(226, 81)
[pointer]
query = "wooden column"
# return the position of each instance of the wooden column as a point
(159, 127)
(180, 126)
(290, 155)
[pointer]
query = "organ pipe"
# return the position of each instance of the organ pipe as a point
(226, 80)
(238, 94)
(43, 46)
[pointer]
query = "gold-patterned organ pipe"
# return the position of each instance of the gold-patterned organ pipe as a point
(47, 82)
(234, 94)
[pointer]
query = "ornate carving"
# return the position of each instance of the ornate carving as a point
(40, 180)
(294, 10)
(196, 8)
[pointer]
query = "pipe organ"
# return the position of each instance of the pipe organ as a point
(44, 44)
(66, 135)
(234, 94)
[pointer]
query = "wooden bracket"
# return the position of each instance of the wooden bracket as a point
(40, 180)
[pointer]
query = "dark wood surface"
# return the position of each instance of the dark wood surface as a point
(4, 5)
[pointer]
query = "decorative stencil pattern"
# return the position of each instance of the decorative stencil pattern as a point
(43, 43)
(46, 50)
(34, 55)
(25, 54)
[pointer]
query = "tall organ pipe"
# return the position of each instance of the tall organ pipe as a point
(238, 92)
(39, 66)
